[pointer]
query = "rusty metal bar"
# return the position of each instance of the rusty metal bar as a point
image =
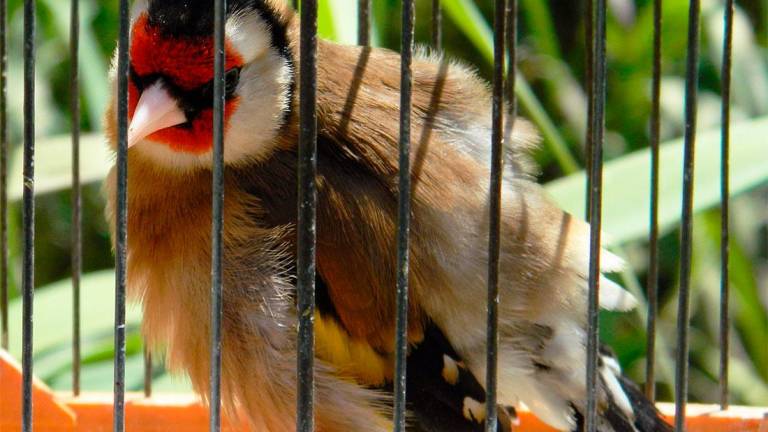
(403, 216)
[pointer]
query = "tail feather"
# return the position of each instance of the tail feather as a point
(443, 395)
(614, 297)
(554, 388)
(647, 417)
(626, 409)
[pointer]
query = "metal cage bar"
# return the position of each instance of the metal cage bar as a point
(653, 235)
(505, 25)
(403, 215)
(686, 230)
(725, 318)
(147, 372)
(307, 215)
(4, 174)
(511, 37)
(77, 202)
(494, 217)
(589, 36)
(28, 211)
(217, 212)
(597, 126)
(122, 217)
(364, 22)
(437, 25)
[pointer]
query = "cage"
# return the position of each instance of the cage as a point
(28, 404)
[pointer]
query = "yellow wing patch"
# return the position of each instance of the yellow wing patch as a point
(353, 358)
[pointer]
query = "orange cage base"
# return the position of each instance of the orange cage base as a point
(92, 412)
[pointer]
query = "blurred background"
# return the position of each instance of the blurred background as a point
(550, 92)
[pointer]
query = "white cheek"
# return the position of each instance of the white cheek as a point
(248, 34)
(256, 122)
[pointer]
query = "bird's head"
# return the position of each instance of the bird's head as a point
(170, 103)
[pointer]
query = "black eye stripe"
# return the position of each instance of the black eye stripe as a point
(192, 102)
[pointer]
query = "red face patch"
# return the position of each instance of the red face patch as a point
(187, 62)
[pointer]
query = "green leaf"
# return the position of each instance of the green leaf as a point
(326, 27)
(751, 318)
(53, 337)
(467, 17)
(93, 80)
(539, 18)
(626, 181)
(172, 383)
(337, 21)
(53, 313)
(54, 172)
(99, 376)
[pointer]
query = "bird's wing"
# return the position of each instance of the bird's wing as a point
(357, 215)
(544, 251)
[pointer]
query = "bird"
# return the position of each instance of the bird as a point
(544, 251)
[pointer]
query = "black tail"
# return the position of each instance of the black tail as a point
(443, 395)
(644, 416)
(647, 417)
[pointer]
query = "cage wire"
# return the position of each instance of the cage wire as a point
(505, 31)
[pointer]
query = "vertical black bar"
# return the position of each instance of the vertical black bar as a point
(494, 194)
(404, 214)
(122, 218)
(437, 25)
(219, 83)
(3, 176)
(686, 230)
(364, 22)
(77, 241)
(147, 373)
(653, 258)
(725, 319)
(595, 210)
(28, 215)
(511, 36)
(589, 48)
(307, 223)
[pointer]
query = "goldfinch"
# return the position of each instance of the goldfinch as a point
(544, 251)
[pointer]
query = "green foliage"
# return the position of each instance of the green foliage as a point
(550, 92)
(627, 202)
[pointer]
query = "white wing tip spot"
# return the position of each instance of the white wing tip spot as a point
(450, 370)
(473, 410)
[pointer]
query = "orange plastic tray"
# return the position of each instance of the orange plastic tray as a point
(92, 412)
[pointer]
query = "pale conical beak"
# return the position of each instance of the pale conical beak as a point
(156, 110)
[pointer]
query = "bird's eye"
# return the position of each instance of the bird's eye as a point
(204, 93)
(232, 79)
